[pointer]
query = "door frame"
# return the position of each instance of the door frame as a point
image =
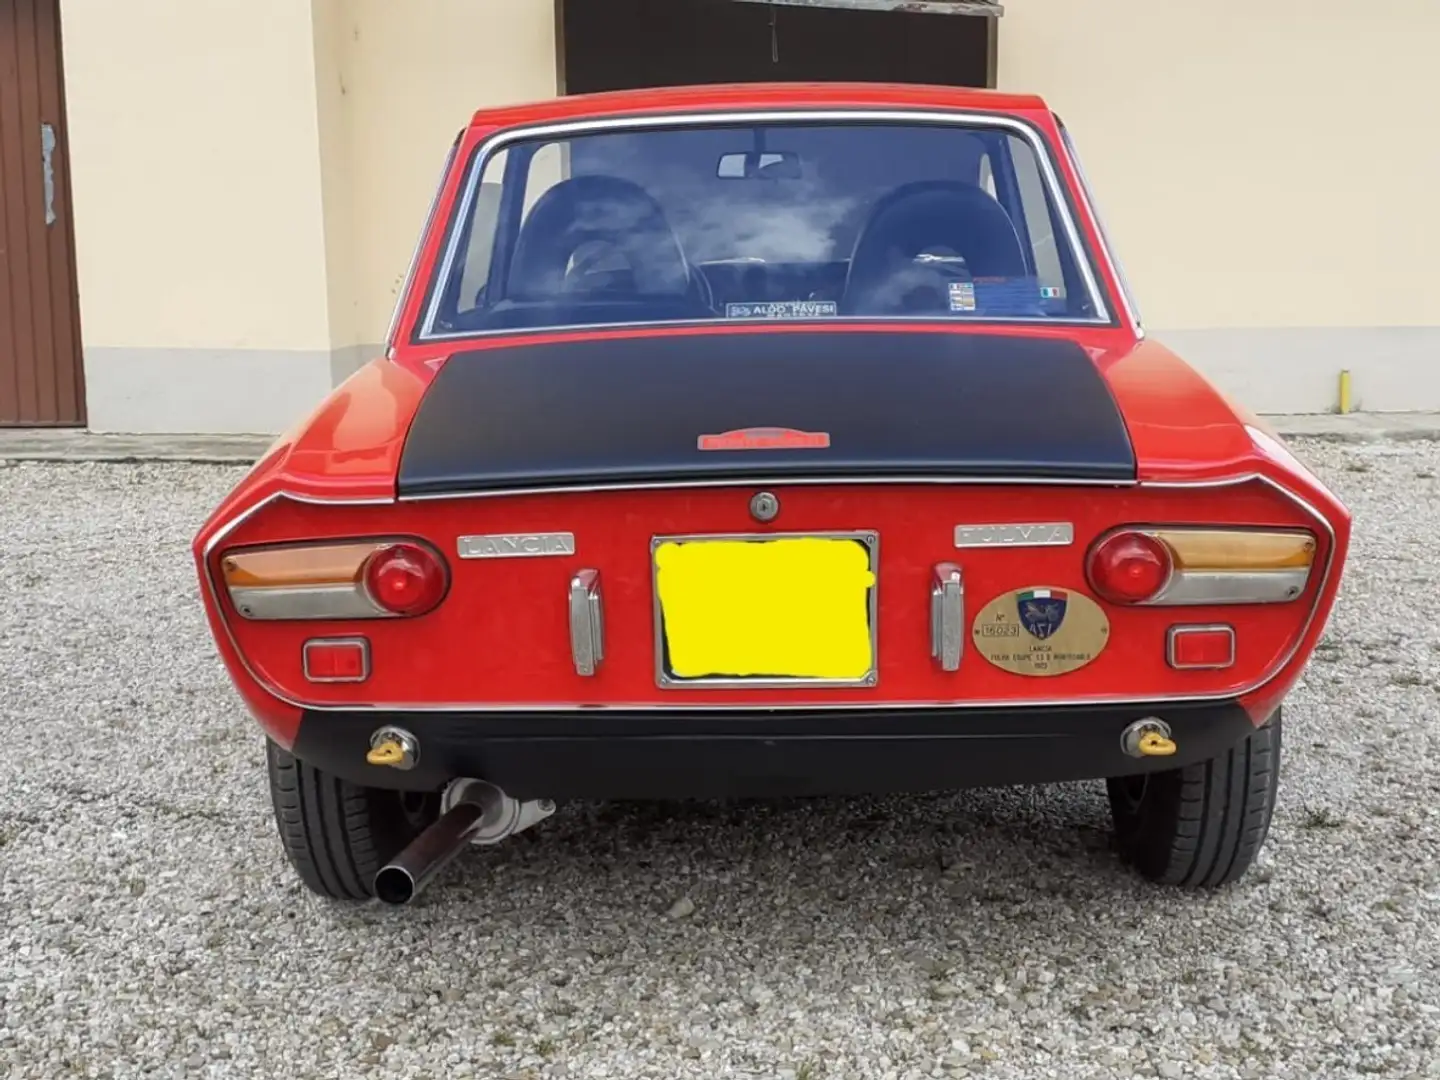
(992, 43)
(50, 266)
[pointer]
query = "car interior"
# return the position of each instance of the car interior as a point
(755, 241)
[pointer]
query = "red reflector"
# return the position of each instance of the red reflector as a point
(1201, 646)
(337, 660)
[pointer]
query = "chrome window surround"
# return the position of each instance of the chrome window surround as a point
(965, 704)
(1107, 251)
(955, 118)
(868, 539)
(408, 282)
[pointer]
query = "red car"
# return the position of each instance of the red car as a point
(766, 440)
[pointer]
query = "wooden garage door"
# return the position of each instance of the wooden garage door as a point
(40, 372)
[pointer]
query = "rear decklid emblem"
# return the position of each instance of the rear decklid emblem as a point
(515, 545)
(766, 438)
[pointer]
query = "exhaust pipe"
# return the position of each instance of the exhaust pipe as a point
(473, 812)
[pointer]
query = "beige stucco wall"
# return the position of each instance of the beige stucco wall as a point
(1267, 173)
(192, 134)
(407, 113)
(250, 176)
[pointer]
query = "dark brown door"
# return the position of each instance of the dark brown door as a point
(629, 44)
(41, 382)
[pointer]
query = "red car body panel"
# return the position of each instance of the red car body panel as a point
(1200, 459)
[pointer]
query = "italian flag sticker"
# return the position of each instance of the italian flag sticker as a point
(1044, 594)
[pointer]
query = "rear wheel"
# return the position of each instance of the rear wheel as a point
(338, 835)
(1200, 826)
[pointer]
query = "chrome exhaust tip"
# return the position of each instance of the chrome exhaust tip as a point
(404, 877)
(472, 812)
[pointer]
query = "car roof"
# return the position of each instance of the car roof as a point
(735, 97)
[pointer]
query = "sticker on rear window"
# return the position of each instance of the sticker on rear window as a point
(783, 309)
(962, 296)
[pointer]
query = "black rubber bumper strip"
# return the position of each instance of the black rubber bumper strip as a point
(605, 754)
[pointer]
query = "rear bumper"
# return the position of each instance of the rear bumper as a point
(596, 754)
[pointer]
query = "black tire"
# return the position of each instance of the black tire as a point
(1200, 826)
(338, 835)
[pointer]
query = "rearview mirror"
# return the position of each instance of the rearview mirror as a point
(760, 165)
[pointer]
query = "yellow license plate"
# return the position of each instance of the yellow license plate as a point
(771, 608)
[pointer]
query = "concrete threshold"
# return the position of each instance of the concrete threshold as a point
(42, 444)
(48, 444)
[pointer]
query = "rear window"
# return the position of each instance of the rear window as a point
(750, 222)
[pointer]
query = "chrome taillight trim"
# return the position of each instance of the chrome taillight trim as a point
(306, 602)
(1192, 587)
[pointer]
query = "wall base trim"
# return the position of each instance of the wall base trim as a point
(1297, 370)
(1270, 370)
(211, 391)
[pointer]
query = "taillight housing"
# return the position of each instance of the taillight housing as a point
(381, 578)
(405, 579)
(1188, 565)
(1129, 567)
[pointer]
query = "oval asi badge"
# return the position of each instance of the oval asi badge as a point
(1041, 631)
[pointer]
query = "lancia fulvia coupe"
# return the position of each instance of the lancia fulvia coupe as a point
(761, 441)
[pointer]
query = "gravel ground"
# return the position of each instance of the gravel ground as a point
(149, 925)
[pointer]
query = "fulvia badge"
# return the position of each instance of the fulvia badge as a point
(515, 545)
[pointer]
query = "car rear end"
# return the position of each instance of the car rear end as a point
(813, 481)
(665, 641)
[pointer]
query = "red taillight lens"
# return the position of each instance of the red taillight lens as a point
(405, 579)
(1129, 567)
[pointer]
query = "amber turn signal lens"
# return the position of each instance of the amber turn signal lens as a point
(1238, 549)
(296, 565)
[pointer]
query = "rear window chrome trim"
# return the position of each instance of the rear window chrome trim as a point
(1107, 251)
(1085, 256)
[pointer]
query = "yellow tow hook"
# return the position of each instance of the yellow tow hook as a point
(393, 747)
(1153, 744)
(1148, 738)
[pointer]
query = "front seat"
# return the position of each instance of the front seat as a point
(606, 212)
(884, 276)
